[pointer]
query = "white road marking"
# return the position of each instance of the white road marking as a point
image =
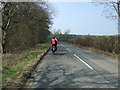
(68, 49)
(83, 61)
(62, 45)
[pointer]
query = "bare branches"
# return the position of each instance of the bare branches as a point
(25, 24)
(111, 8)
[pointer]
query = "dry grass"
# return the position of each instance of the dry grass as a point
(13, 64)
(113, 56)
(105, 45)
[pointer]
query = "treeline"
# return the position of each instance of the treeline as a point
(105, 43)
(62, 36)
(25, 24)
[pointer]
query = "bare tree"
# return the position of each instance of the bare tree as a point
(24, 24)
(111, 8)
(0, 32)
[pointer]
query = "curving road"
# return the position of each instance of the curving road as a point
(73, 67)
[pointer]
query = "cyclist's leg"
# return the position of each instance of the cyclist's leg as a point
(51, 46)
(55, 47)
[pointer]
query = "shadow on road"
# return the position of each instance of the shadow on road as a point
(59, 53)
(54, 75)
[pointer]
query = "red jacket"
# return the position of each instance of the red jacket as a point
(53, 41)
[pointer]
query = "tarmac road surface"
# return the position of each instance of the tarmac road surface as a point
(73, 67)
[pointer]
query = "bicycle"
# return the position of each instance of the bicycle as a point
(53, 49)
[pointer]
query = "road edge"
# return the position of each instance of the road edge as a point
(26, 74)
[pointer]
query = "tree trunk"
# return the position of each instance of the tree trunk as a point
(1, 49)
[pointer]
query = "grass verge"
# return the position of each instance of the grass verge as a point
(15, 64)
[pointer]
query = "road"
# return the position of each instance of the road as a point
(73, 67)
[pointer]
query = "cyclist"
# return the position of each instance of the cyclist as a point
(54, 42)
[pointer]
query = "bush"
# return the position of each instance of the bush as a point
(105, 43)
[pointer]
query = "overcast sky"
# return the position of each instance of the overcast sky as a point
(83, 18)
